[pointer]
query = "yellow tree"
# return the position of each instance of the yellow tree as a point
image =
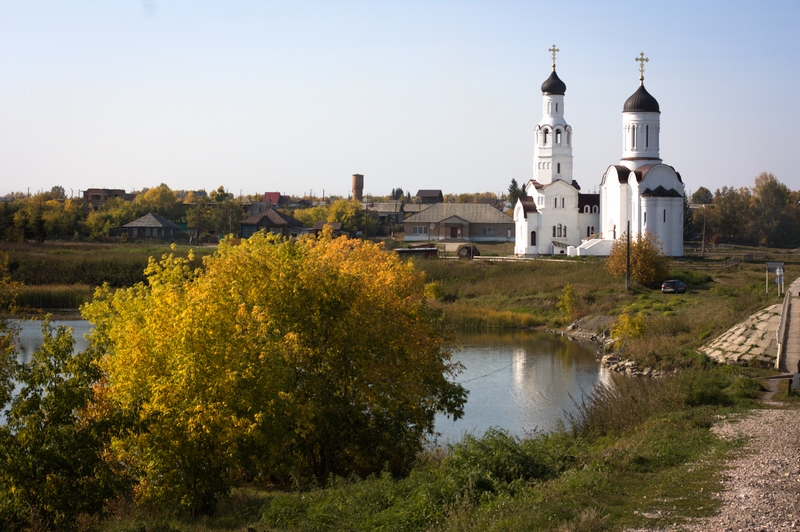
(649, 264)
(278, 358)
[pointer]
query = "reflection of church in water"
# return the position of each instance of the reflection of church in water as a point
(554, 217)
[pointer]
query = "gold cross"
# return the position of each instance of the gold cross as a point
(554, 50)
(642, 60)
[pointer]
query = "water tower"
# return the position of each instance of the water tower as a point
(358, 187)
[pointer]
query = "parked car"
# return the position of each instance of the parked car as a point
(673, 287)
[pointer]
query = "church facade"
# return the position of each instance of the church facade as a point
(554, 217)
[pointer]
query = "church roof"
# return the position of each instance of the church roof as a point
(554, 85)
(641, 101)
(591, 200)
(641, 172)
(528, 204)
(661, 192)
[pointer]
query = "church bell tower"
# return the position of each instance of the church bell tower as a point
(552, 154)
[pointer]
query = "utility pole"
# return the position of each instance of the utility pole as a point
(628, 259)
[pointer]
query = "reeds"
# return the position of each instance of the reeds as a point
(51, 297)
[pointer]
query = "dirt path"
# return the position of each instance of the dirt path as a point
(761, 489)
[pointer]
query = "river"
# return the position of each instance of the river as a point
(520, 381)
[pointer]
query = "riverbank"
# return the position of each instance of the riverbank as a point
(760, 484)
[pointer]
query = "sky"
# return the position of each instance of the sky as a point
(296, 96)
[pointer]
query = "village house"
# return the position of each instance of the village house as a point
(272, 221)
(148, 226)
(474, 222)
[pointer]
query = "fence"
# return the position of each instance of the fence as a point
(782, 327)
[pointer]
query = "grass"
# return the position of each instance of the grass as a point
(478, 295)
(65, 263)
(613, 468)
(640, 454)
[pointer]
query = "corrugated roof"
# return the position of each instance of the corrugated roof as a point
(471, 212)
(152, 220)
(387, 207)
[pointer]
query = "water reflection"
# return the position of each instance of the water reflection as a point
(520, 382)
(30, 335)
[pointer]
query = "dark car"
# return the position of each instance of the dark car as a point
(673, 287)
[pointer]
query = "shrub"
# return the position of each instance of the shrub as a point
(629, 327)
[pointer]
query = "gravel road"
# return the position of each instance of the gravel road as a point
(761, 489)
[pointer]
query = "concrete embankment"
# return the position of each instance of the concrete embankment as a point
(753, 340)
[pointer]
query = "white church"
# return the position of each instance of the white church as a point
(554, 217)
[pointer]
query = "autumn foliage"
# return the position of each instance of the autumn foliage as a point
(278, 359)
(649, 264)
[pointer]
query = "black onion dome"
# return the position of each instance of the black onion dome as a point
(641, 101)
(554, 85)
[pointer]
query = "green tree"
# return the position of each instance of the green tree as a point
(276, 359)
(649, 264)
(115, 212)
(771, 221)
(514, 192)
(351, 214)
(689, 228)
(728, 219)
(52, 445)
(226, 215)
(312, 215)
(702, 196)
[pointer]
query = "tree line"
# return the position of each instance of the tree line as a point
(766, 214)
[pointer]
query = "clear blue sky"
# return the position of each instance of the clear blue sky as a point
(298, 96)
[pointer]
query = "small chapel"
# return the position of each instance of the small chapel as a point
(554, 217)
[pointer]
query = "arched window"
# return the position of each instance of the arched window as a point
(647, 136)
(633, 137)
(562, 203)
(569, 138)
(558, 136)
(556, 107)
(645, 217)
(588, 232)
(594, 208)
(559, 230)
(554, 231)
(555, 203)
(544, 134)
(565, 231)
(533, 238)
(586, 209)
(558, 168)
(665, 215)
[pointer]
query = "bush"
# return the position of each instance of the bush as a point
(629, 327)
(704, 388)
(690, 277)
